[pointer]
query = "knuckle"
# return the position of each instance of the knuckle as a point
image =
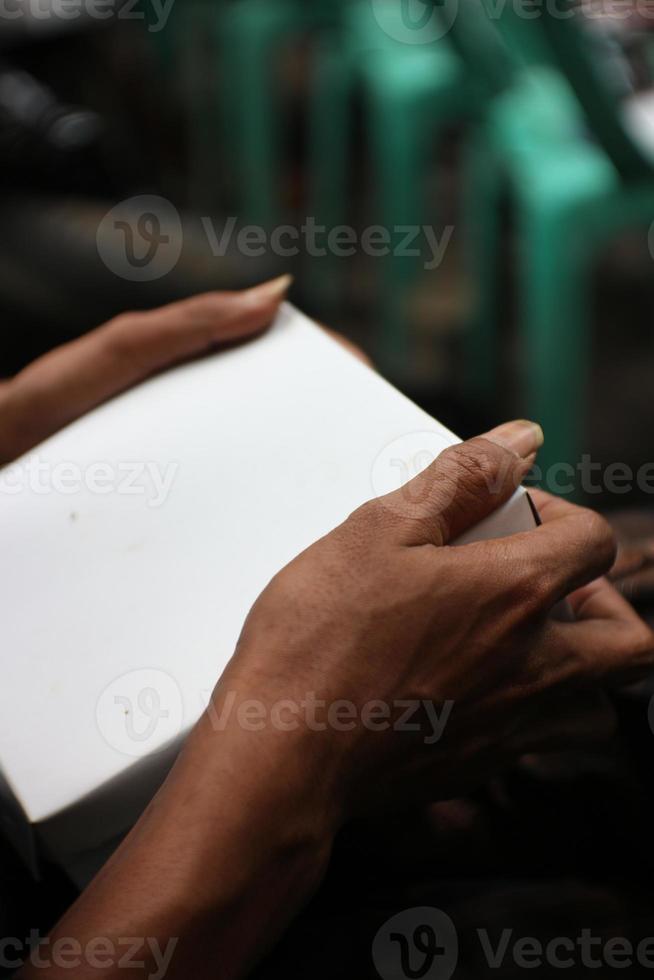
(118, 333)
(632, 656)
(530, 585)
(364, 515)
(539, 594)
(597, 537)
(465, 474)
(123, 322)
(123, 340)
(641, 643)
(513, 588)
(203, 307)
(536, 589)
(469, 460)
(371, 518)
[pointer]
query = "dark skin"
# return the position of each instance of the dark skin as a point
(384, 609)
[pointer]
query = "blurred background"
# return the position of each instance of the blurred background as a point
(463, 187)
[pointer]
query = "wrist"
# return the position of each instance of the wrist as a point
(226, 855)
(255, 737)
(261, 794)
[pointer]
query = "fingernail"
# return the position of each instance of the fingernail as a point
(274, 289)
(521, 437)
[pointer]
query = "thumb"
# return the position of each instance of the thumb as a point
(466, 483)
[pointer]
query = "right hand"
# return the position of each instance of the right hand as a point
(384, 609)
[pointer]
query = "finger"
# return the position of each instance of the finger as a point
(601, 600)
(572, 548)
(639, 586)
(628, 562)
(608, 643)
(634, 531)
(614, 621)
(148, 342)
(549, 506)
(71, 380)
(465, 484)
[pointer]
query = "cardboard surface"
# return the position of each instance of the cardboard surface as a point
(121, 607)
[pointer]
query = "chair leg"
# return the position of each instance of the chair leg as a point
(192, 66)
(251, 34)
(329, 141)
(557, 341)
(399, 136)
(483, 244)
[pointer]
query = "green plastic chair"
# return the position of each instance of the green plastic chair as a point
(161, 39)
(499, 53)
(253, 37)
(249, 40)
(496, 54)
(577, 177)
(182, 52)
(410, 93)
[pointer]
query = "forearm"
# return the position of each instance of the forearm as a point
(223, 859)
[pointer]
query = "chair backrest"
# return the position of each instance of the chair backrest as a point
(524, 45)
(575, 54)
(478, 42)
(494, 40)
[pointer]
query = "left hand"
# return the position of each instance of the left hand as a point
(69, 381)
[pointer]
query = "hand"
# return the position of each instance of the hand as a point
(453, 831)
(69, 381)
(386, 609)
(633, 572)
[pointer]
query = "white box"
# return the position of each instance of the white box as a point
(119, 606)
